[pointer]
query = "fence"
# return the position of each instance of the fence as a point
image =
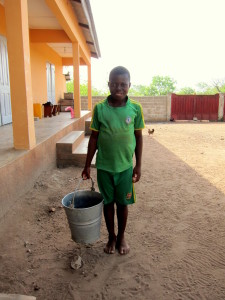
(161, 109)
(155, 109)
(188, 107)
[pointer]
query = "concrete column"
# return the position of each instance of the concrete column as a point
(17, 30)
(221, 107)
(168, 107)
(76, 77)
(89, 88)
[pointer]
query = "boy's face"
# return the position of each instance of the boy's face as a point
(119, 86)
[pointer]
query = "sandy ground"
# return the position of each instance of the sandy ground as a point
(176, 230)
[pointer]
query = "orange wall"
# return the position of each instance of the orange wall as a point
(40, 55)
(2, 21)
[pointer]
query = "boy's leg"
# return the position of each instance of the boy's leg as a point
(105, 184)
(109, 212)
(124, 195)
(122, 214)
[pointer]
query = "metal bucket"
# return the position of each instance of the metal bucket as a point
(84, 213)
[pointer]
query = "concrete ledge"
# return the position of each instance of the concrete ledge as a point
(77, 157)
(69, 142)
(16, 297)
(19, 175)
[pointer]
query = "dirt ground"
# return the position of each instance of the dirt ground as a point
(176, 229)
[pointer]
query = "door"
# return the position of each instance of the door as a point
(5, 99)
(50, 82)
(182, 107)
(186, 107)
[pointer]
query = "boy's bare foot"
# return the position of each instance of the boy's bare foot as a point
(122, 246)
(110, 246)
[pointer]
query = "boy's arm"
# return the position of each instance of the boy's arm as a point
(92, 146)
(138, 155)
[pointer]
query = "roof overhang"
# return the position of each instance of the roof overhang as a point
(42, 18)
(82, 10)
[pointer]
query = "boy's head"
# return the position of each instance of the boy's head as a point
(119, 82)
(119, 71)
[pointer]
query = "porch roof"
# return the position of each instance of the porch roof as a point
(82, 10)
(40, 16)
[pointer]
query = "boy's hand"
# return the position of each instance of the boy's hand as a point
(86, 173)
(136, 174)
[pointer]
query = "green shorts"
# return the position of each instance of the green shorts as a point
(116, 187)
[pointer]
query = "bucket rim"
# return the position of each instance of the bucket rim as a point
(75, 208)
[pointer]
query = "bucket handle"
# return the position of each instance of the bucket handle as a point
(76, 189)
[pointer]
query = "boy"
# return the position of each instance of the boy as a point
(117, 124)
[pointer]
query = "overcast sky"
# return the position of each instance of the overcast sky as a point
(183, 39)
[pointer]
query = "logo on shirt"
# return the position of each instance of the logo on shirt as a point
(128, 120)
(128, 196)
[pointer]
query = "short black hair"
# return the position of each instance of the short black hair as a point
(119, 71)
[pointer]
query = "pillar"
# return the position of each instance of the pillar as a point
(221, 107)
(76, 77)
(168, 107)
(89, 88)
(16, 13)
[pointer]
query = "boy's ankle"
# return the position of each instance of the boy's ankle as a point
(120, 236)
(112, 237)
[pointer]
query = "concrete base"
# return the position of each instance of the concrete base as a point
(16, 297)
(19, 175)
(87, 126)
(77, 157)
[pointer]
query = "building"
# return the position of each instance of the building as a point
(37, 39)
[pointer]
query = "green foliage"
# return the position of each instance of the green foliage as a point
(205, 89)
(162, 85)
(139, 90)
(217, 86)
(186, 91)
(84, 89)
(96, 92)
(69, 86)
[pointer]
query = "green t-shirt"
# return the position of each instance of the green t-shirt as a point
(116, 140)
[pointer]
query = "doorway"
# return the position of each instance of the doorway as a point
(5, 99)
(50, 68)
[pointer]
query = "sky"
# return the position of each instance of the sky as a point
(182, 39)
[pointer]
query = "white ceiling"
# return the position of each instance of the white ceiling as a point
(63, 49)
(41, 17)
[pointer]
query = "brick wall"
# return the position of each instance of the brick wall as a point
(155, 109)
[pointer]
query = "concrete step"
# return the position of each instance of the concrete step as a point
(87, 125)
(69, 142)
(80, 152)
(77, 157)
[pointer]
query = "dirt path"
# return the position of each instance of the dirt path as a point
(176, 230)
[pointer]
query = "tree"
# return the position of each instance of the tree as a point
(69, 86)
(217, 86)
(186, 91)
(162, 85)
(84, 89)
(139, 90)
(204, 88)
